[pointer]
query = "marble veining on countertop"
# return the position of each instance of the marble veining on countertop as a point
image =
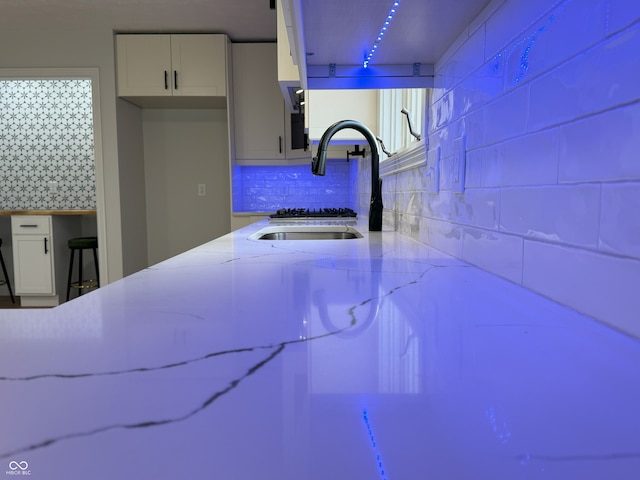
(346, 359)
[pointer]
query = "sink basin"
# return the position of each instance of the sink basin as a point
(307, 232)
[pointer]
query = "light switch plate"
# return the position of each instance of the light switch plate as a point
(433, 168)
(202, 190)
(459, 163)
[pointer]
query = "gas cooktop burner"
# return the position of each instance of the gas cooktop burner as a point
(312, 213)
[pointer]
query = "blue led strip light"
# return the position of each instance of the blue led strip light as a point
(373, 444)
(387, 21)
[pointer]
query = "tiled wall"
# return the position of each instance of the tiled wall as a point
(268, 188)
(546, 95)
(46, 135)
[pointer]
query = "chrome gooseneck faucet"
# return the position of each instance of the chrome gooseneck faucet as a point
(319, 164)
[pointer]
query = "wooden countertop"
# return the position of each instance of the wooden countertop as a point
(46, 212)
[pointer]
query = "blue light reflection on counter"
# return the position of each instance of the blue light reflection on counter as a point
(373, 444)
(387, 21)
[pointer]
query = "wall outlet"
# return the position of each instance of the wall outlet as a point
(202, 190)
(53, 187)
(433, 167)
(459, 163)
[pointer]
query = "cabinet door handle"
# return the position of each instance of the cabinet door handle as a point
(175, 79)
(166, 80)
(46, 247)
(280, 143)
(28, 226)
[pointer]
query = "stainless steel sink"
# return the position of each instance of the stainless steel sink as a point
(307, 232)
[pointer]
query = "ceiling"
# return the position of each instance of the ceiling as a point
(342, 32)
(242, 20)
(335, 31)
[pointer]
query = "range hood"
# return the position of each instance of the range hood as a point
(330, 40)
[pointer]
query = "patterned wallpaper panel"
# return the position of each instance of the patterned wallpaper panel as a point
(46, 145)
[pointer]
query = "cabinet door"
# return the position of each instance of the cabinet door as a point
(258, 104)
(144, 65)
(199, 65)
(33, 263)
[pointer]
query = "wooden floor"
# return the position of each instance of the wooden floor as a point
(5, 302)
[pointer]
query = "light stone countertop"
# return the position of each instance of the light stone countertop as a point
(356, 359)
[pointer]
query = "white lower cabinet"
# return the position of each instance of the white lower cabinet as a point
(40, 257)
(32, 254)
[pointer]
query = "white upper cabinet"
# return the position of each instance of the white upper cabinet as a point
(262, 125)
(199, 65)
(172, 65)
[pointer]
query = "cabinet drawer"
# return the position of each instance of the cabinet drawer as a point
(30, 224)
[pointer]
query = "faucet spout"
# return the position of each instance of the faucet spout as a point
(319, 165)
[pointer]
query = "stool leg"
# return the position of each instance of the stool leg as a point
(95, 259)
(80, 283)
(70, 274)
(6, 278)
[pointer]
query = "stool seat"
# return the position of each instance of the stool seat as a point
(79, 244)
(83, 242)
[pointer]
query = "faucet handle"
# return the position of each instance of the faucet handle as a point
(411, 131)
(384, 149)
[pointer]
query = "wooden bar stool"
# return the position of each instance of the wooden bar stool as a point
(80, 244)
(6, 280)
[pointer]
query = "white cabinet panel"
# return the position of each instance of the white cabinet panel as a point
(33, 262)
(199, 65)
(32, 255)
(171, 65)
(262, 125)
(144, 65)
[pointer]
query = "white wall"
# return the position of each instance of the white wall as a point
(133, 211)
(547, 95)
(182, 149)
(71, 47)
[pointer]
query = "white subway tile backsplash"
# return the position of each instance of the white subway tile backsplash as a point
(439, 206)
(473, 172)
(444, 236)
(526, 160)
(479, 89)
(587, 154)
(622, 13)
(493, 251)
(477, 207)
(483, 16)
(500, 120)
(620, 219)
(552, 184)
(446, 172)
(469, 57)
(559, 214)
(566, 30)
(511, 19)
(605, 77)
(269, 188)
(441, 112)
(599, 285)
